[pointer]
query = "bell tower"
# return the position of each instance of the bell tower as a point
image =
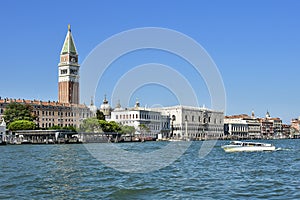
(68, 72)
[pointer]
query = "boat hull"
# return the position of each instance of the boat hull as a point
(237, 146)
(228, 148)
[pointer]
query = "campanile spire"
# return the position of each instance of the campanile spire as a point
(68, 71)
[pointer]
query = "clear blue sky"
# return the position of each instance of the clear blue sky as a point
(254, 43)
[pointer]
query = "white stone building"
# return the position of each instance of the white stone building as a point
(155, 122)
(194, 123)
(236, 128)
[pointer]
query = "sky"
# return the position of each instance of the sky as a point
(254, 44)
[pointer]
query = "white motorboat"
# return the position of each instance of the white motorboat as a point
(236, 146)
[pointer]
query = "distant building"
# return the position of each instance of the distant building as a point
(295, 128)
(236, 127)
(194, 123)
(242, 126)
(271, 127)
(286, 131)
(295, 123)
(138, 117)
(53, 113)
(267, 128)
(253, 126)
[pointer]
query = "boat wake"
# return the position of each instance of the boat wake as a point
(282, 149)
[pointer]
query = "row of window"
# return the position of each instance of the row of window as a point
(60, 120)
(210, 131)
(198, 128)
(48, 125)
(136, 116)
(239, 128)
(52, 113)
(205, 120)
(59, 113)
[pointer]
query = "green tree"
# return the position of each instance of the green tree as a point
(91, 125)
(71, 128)
(55, 127)
(114, 127)
(144, 128)
(100, 115)
(109, 126)
(97, 126)
(104, 125)
(21, 125)
(16, 111)
(128, 130)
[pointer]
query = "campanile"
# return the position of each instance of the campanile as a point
(68, 72)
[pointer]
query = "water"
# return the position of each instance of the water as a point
(70, 172)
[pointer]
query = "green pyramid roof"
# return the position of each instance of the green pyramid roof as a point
(69, 45)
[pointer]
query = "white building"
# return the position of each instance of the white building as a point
(194, 122)
(236, 128)
(242, 126)
(147, 123)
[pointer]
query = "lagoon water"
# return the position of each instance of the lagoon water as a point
(71, 172)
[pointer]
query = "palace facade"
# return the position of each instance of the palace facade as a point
(194, 123)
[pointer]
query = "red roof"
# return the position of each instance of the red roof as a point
(38, 102)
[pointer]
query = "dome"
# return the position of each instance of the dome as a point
(93, 108)
(118, 106)
(105, 107)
